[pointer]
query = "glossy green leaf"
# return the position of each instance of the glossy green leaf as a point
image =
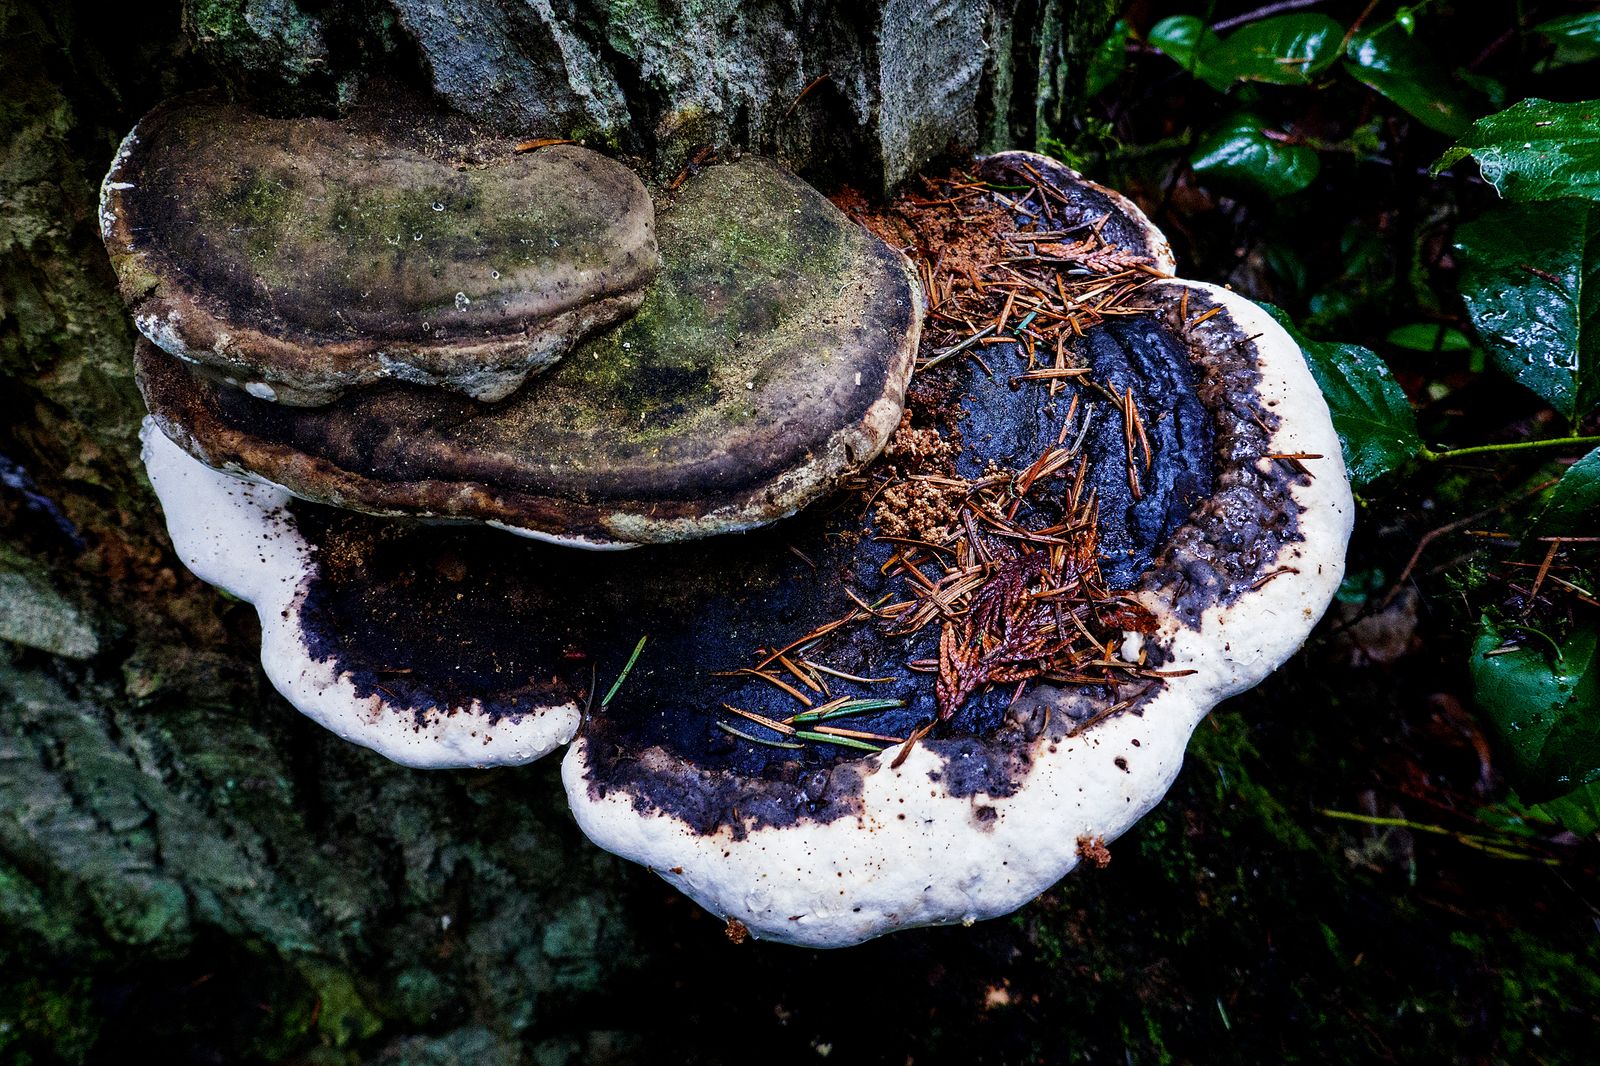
(1578, 811)
(1240, 153)
(1188, 41)
(1286, 50)
(1543, 706)
(1536, 150)
(1430, 337)
(1577, 37)
(1530, 275)
(1370, 410)
(1107, 62)
(1574, 505)
(1402, 68)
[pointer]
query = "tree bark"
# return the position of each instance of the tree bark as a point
(183, 858)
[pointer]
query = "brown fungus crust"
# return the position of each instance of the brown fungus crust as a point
(444, 616)
(309, 255)
(769, 359)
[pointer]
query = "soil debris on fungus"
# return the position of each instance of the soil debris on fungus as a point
(1024, 269)
(1093, 849)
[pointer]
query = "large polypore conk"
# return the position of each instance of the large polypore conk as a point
(1163, 493)
(300, 257)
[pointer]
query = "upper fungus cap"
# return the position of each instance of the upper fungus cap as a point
(768, 360)
(300, 257)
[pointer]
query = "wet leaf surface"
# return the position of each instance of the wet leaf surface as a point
(1577, 37)
(1543, 704)
(1285, 50)
(1400, 67)
(1239, 152)
(1536, 150)
(1574, 507)
(1109, 60)
(1577, 811)
(1189, 42)
(1429, 337)
(1530, 276)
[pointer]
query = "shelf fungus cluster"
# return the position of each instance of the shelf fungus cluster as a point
(893, 650)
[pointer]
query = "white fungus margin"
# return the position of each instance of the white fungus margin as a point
(238, 536)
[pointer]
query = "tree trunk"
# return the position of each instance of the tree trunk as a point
(186, 861)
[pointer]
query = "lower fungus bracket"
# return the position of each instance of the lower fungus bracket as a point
(1080, 607)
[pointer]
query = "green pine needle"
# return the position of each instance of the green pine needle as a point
(637, 648)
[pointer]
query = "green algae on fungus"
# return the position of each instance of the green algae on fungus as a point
(300, 257)
(768, 360)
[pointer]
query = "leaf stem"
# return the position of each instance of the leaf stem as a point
(1498, 846)
(1136, 151)
(1433, 456)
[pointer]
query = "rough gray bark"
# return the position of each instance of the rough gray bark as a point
(891, 84)
(182, 857)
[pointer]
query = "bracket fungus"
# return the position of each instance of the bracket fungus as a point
(1113, 499)
(768, 360)
(297, 258)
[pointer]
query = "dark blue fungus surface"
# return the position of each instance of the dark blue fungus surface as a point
(433, 617)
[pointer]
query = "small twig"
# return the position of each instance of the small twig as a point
(1434, 456)
(818, 80)
(541, 142)
(1544, 571)
(1450, 527)
(726, 728)
(959, 348)
(1492, 845)
(1263, 12)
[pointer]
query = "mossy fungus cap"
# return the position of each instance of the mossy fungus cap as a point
(769, 359)
(298, 258)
